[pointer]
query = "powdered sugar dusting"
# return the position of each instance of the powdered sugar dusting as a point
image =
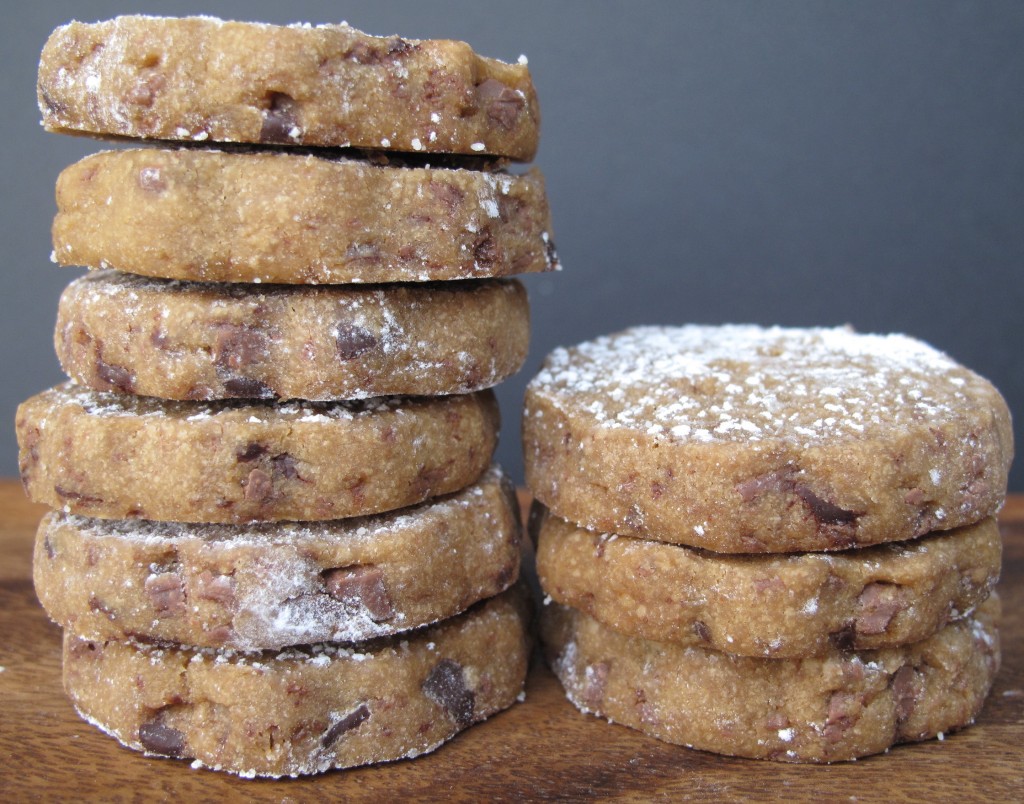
(745, 383)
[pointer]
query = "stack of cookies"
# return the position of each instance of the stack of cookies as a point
(771, 543)
(273, 459)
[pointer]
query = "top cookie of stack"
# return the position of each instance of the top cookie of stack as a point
(327, 157)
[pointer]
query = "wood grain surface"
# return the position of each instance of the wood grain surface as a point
(540, 750)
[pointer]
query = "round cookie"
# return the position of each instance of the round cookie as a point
(307, 709)
(268, 586)
(221, 216)
(172, 340)
(837, 707)
(739, 439)
(781, 606)
(203, 79)
(116, 456)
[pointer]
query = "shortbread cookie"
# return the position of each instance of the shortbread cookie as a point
(212, 341)
(292, 218)
(116, 456)
(273, 585)
(749, 440)
(791, 605)
(308, 709)
(203, 79)
(841, 706)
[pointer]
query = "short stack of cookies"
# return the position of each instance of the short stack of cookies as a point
(278, 544)
(769, 543)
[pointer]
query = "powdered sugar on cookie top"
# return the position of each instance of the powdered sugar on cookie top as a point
(747, 383)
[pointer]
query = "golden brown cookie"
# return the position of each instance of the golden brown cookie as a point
(177, 340)
(203, 79)
(116, 456)
(840, 706)
(296, 218)
(747, 440)
(792, 605)
(268, 586)
(308, 709)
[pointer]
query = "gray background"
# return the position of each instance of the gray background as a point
(799, 163)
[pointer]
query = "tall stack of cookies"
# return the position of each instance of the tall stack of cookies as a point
(277, 542)
(770, 543)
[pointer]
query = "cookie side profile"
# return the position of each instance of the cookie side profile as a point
(203, 79)
(745, 440)
(269, 586)
(837, 707)
(174, 340)
(304, 710)
(116, 456)
(770, 605)
(220, 216)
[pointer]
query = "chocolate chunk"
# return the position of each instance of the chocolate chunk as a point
(151, 180)
(78, 496)
(700, 628)
(502, 103)
(905, 691)
(146, 90)
(353, 340)
(166, 592)
(843, 712)
(280, 119)
(448, 194)
(220, 588)
(779, 481)
(446, 687)
(877, 604)
(284, 465)
(258, 486)
(116, 377)
(248, 388)
(825, 512)
(914, 496)
(845, 638)
(251, 451)
(361, 586)
(485, 250)
(238, 347)
(159, 738)
(353, 720)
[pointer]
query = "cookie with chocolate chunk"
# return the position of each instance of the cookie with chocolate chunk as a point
(305, 709)
(118, 456)
(840, 706)
(770, 605)
(223, 216)
(203, 79)
(750, 440)
(261, 586)
(212, 341)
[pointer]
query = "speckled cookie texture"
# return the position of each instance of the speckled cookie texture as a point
(269, 586)
(743, 439)
(117, 456)
(770, 605)
(309, 709)
(199, 341)
(836, 707)
(203, 79)
(211, 215)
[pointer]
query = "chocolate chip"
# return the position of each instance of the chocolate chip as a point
(146, 90)
(905, 691)
(845, 638)
(361, 586)
(159, 738)
(446, 687)
(779, 481)
(353, 720)
(843, 712)
(700, 628)
(485, 249)
(115, 377)
(78, 496)
(251, 451)
(258, 486)
(166, 592)
(399, 47)
(825, 512)
(51, 553)
(248, 388)
(448, 194)
(57, 107)
(502, 103)
(151, 180)
(914, 496)
(237, 347)
(877, 604)
(284, 465)
(220, 588)
(280, 119)
(353, 340)
(364, 53)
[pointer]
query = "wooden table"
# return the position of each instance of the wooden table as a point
(542, 749)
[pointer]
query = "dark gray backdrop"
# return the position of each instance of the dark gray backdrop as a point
(800, 163)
